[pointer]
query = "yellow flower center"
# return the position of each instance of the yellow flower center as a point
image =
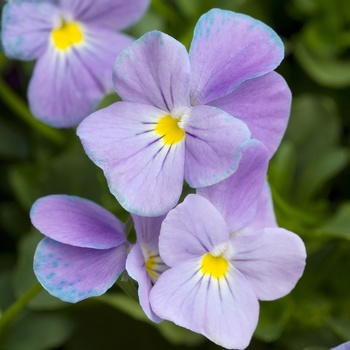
(215, 266)
(169, 129)
(155, 266)
(67, 35)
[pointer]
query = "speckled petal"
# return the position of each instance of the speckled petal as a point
(73, 273)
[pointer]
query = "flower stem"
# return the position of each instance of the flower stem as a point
(7, 317)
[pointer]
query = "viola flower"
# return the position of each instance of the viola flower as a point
(172, 124)
(75, 43)
(84, 250)
(222, 260)
(144, 263)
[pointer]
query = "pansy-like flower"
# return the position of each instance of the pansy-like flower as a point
(172, 124)
(222, 260)
(75, 43)
(84, 250)
(144, 263)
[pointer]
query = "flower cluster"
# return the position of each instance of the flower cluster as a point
(212, 117)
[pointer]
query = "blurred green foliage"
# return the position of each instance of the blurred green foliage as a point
(309, 177)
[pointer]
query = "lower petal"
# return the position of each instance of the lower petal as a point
(214, 141)
(264, 105)
(224, 310)
(73, 273)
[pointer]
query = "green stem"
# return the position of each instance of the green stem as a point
(15, 308)
(17, 105)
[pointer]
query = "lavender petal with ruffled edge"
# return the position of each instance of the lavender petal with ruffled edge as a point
(84, 250)
(75, 43)
(173, 123)
(222, 258)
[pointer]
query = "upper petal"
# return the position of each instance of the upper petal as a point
(214, 142)
(271, 259)
(264, 105)
(190, 230)
(154, 70)
(228, 48)
(67, 86)
(77, 221)
(236, 196)
(26, 28)
(224, 310)
(74, 273)
(116, 14)
(144, 173)
(148, 228)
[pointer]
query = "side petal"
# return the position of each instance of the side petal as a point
(154, 70)
(73, 273)
(236, 197)
(271, 259)
(143, 173)
(26, 28)
(224, 310)
(193, 228)
(116, 14)
(135, 265)
(214, 142)
(77, 221)
(227, 49)
(264, 105)
(66, 87)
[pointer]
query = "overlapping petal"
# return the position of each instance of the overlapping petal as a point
(26, 28)
(264, 105)
(66, 87)
(143, 173)
(214, 142)
(78, 222)
(154, 70)
(271, 259)
(135, 265)
(227, 49)
(193, 228)
(236, 197)
(116, 14)
(73, 273)
(224, 310)
(148, 228)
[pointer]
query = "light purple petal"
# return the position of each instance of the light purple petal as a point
(26, 28)
(73, 273)
(214, 141)
(265, 214)
(236, 197)
(77, 221)
(224, 310)
(228, 48)
(272, 260)
(148, 229)
(135, 265)
(264, 105)
(115, 14)
(345, 346)
(154, 70)
(143, 173)
(193, 228)
(66, 87)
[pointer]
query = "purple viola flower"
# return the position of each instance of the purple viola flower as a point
(172, 123)
(84, 250)
(144, 263)
(75, 43)
(222, 258)
(345, 346)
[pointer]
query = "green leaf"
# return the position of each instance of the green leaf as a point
(39, 331)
